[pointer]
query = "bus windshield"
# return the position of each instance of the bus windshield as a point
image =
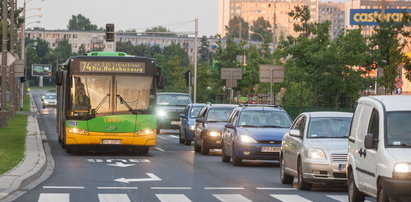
(98, 95)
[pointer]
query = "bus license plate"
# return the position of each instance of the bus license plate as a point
(111, 141)
(270, 149)
(175, 123)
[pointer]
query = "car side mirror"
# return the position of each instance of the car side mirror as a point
(369, 141)
(295, 133)
(200, 120)
(229, 125)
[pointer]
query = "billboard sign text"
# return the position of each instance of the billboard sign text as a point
(370, 16)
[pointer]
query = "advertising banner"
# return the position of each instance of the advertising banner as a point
(41, 70)
(370, 16)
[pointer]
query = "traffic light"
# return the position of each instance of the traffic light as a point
(374, 65)
(110, 32)
(22, 79)
(187, 76)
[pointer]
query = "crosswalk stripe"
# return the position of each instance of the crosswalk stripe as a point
(341, 198)
(231, 198)
(113, 198)
(173, 198)
(54, 197)
(289, 197)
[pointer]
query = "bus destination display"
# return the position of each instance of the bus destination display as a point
(112, 67)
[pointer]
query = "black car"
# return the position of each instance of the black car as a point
(169, 108)
(209, 126)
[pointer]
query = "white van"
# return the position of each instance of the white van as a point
(379, 151)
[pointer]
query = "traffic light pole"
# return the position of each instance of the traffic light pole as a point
(195, 60)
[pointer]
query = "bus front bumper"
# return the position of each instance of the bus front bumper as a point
(94, 138)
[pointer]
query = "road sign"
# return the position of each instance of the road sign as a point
(272, 73)
(232, 73)
(41, 70)
(10, 60)
(19, 68)
(231, 83)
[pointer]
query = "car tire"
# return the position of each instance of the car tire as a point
(382, 195)
(235, 160)
(204, 148)
(186, 140)
(354, 195)
(285, 178)
(302, 184)
(44, 107)
(224, 157)
(197, 148)
(180, 140)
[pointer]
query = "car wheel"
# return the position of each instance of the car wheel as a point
(204, 148)
(224, 157)
(354, 195)
(235, 160)
(180, 140)
(285, 178)
(302, 184)
(187, 141)
(382, 195)
(197, 148)
(44, 107)
(63, 141)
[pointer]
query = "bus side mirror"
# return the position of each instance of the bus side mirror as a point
(160, 81)
(59, 78)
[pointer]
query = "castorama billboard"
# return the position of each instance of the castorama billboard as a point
(370, 16)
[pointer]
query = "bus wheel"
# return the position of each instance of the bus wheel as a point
(142, 150)
(69, 149)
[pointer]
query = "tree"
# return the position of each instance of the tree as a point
(388, 43)
(18, 19)
(204, 51)
(63, 51)
(80, 22)
(38, 52)
(237, 28)
(159, 29)
(82, 50)
(260, 30)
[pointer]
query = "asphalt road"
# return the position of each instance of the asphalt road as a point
(171, 172)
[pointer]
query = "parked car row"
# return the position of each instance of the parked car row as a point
(370, 150)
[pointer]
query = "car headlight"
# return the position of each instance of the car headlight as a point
(78, 131)
(161, 113)
(247, 139)
(192, 127)
(46, 102)
(213, 133)
(402, 171)
(316, 154)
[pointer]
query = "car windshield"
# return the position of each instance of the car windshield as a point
(329, 127)
(219, 114)
(173, 99)
(50, 96)
(194, 111)
(262, 118)
(399, 129)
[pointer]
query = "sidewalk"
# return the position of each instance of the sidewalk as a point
(34, 162)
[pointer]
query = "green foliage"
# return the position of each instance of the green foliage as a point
(159, 29)
(204, 52)
(261, 30)
(237, 28)
(80, 22)
(139, 50)
(81, 50)
(18, 19)
(388, 45)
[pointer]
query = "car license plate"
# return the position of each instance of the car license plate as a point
(111, 142)
(218, 142)
(342, 166)
(270, 149)
(175, 123)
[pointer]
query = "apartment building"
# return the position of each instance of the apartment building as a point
(335, 14)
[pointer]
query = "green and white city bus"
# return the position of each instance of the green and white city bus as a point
(107, 98)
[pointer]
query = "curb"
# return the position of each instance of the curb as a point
(34, 162)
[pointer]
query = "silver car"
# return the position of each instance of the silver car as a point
(315, 149)
(49, 99)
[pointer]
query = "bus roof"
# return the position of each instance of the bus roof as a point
(105, 53)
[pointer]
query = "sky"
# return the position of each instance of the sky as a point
(176, 15)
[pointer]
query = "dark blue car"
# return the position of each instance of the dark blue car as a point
(254, 133)
(187, 122)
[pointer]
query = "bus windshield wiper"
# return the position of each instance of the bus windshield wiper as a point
(122, 101)
(101, 103)
(248, 126)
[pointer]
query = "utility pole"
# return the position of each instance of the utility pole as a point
(195, 59)
(23, 52)
(3, 112)
(274, 28)
(12, 108)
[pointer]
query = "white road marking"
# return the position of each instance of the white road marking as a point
(159, 149)
(231, 198)
(63, 187)
(121, 164)
(275, 188)
(145, 160)
(120, 188)
(113, 198)
(174, 136)
(152, 177)
(293, 198)
(173, 198)
(341, 198)
(224, 188)
(161, 137)
(54, 197)
(167, 188)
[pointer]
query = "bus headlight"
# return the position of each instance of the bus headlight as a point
(146, 132)
(161, 113)
(78, 131)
